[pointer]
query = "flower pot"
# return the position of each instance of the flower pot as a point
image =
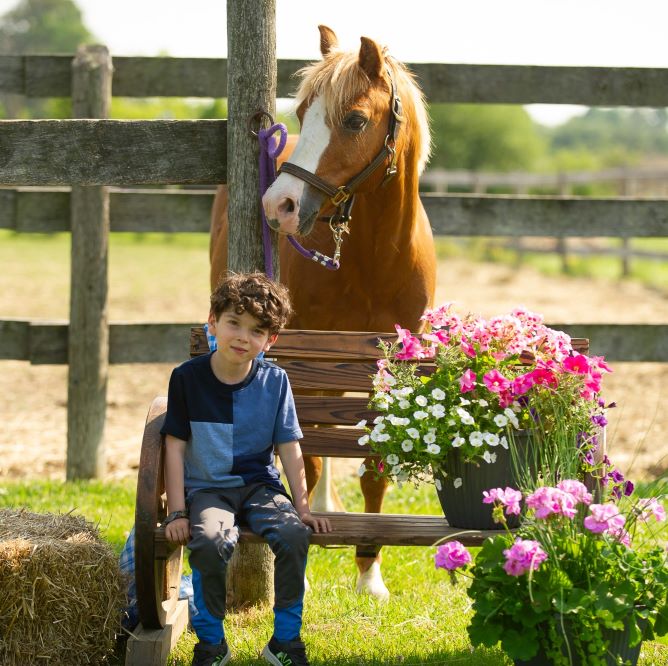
(462, 503)
(618, 646)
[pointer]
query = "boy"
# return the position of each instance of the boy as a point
(226, 412)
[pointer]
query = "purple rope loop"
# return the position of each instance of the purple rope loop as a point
(270, 149)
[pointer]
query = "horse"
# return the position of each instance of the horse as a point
(364, 138)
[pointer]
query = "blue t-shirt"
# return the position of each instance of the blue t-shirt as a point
(230, 429)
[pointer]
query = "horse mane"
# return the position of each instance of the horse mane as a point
(338, 78)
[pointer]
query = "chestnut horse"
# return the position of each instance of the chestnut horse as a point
(363, 126)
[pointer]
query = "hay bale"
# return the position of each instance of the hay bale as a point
(61, 590)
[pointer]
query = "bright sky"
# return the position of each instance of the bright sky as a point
(618, 33)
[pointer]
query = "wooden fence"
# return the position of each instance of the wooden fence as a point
(99, 152)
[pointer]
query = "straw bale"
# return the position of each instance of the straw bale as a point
(61, 591)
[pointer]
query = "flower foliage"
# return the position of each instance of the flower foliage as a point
(575, 570)
(490, 377)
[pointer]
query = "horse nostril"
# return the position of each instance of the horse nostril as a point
(287, 206)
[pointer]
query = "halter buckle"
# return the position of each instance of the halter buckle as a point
(342, 195)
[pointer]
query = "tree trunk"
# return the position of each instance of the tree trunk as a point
(251, 87)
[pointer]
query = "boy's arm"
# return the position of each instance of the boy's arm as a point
(290, 454)
(177, 531)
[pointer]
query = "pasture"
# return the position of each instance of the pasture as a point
(164, 277)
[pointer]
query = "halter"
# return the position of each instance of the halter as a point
(343, 197)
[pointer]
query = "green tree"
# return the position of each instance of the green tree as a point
(484, 137)
(43, 26)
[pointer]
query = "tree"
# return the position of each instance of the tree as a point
(484, 137)
(43, 26)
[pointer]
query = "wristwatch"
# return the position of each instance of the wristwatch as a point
(174, 515)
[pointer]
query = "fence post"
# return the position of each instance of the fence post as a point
(561, 244)
(88, 345)
(251, 87)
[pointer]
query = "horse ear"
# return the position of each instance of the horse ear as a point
(328, 39)
(371, 58)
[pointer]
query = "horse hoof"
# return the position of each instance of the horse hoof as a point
(371, 582)
(307, 585)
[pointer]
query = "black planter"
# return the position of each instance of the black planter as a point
(463, 506)
(618, 646)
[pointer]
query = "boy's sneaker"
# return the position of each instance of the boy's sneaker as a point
(290, 653)
(207, 654)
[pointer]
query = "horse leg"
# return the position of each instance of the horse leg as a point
(368, 558)
(313, 470)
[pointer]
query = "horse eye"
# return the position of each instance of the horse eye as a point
(355, 122)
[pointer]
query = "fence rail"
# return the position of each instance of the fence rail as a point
(45, 343)
(50, 76)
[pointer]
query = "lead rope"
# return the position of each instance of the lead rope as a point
(270, 149)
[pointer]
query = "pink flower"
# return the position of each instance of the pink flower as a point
(467, 348)
(523, 556)
(604, 518)
(522, 384)
(546, 501)
(439, 336)
(650, 507)
(439, 317)
(544, 377)
(411, 347)
(496, 382)
(510, 498)
(576, 489)
(577, 364)
(467, 381)
(621, 535)
(452, 555)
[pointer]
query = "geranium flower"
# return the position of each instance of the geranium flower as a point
(509, 498)
(546, 501)
(604, 518)
(647, 508)
(576, 489)
(452, 555)
(524, 555)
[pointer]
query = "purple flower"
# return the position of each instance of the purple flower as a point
(599, 420)
(604, 518)
(617, 476)
(628, 488)
(452, 555)
(523, 556)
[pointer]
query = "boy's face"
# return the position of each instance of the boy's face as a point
(240, 337)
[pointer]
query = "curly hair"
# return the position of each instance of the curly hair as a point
(264, 299)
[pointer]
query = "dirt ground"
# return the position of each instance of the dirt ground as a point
(33, 405)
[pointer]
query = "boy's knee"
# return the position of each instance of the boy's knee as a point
(211, 551)
(294, 535)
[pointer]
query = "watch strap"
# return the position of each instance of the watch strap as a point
(174, 515)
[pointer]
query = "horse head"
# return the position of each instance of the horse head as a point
(350, 114)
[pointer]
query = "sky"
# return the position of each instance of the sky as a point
(614, 33)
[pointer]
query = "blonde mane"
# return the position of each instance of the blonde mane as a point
(339, 79)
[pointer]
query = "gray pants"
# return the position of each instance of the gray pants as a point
(214, 531)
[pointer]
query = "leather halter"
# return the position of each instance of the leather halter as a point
(342, 197)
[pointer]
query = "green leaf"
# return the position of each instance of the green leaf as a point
(522, 645)
(484, 633)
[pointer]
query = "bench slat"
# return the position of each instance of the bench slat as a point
(317, 376)
(335, 410)
(333, 442)
(373, 529)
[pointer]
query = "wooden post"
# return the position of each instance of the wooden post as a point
(88, 345)
(251, 87)
(561, 244)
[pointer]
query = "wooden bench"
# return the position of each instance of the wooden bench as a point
(329, 363)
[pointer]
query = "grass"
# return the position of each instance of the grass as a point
(423, 623)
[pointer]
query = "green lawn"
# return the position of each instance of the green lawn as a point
(423, 623)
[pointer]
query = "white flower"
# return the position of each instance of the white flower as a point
(404, 392)
(464, 401)
(412, 432)
(429, 438)
(419, 415)
(438, 411)
(504, 442)
(383, 403)
(383, 437)
(379, 427)
(396, 470)
(421, 400)
(491, 439)
(489, 457)
(438, 394)
(483, 403)
(404, 404)
(457, 441)
(501, 420)
(361, 424)
(433, 448)
(379, 419)
(392, 459)
(362, 470)
(438, 484)
(457, 483)
(390, 380)
(475, 438)
(407, 445)
(364, 439)
(465, 417)
(511, 417)
(397, 420)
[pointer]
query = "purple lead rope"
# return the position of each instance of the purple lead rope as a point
(270, 149)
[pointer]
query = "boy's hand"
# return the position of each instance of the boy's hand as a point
(178, 531)
(318, 524)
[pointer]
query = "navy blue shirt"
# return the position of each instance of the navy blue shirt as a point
(230, 429)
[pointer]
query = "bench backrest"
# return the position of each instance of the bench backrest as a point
(321, 366)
